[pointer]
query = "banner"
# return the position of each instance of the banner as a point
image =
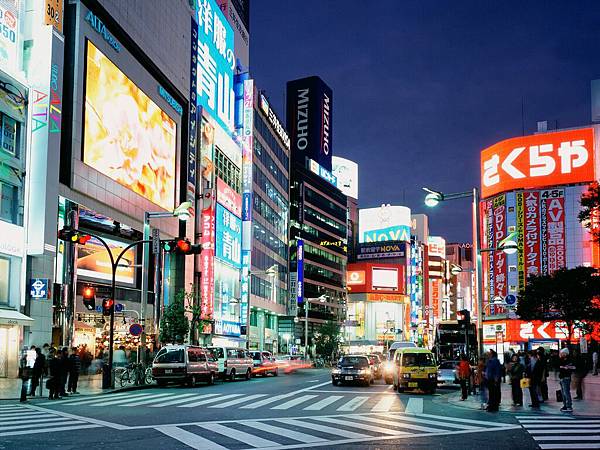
(555, 229)
(532, 242)
(499, 228)
(300, 272)
(207, 257)
(521, 277)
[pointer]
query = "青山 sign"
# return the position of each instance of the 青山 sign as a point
(540, 160)
(216, 62)
(228, 237)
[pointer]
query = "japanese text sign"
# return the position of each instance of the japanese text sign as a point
(229, 237)
(539, 160)
(216, 62)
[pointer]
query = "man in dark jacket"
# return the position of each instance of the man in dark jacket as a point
(565, 370)
(54, 371)
(64, 370)
(74, 369)
(493, 372)
(543, 360)
(535, 372)
(39, 367)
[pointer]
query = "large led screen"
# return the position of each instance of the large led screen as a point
(126, 135)
(387, 223)
(93, 261)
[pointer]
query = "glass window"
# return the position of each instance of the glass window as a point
(4, 279)
(265, 132)
(417, 359)
(170, 355)
(217, 352)
(227, 170)
(354, 361)
(9, 203)
(232, 353)
(201, 356)
(192, 356)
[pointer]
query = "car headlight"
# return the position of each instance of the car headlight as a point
(388, 366)
(406, 375)
(432, 375)
(364, 371)
(336, 371)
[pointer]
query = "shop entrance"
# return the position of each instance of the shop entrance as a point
(3, 352)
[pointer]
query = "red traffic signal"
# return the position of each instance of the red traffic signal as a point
(107, 306)
(74, 236)
(89, 298)
(182, 246)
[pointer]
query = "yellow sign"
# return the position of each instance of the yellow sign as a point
(395, 298)
(386, 337)
(53, 14)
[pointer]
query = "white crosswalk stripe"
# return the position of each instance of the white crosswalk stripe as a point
(296, 401)
(323, 403)
(562, 432)
(21, 420)
(353, 404)
(317, 431)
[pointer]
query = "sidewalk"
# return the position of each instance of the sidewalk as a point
(10, 388)
(589, 406)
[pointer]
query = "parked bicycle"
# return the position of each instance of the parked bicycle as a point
(133, 373)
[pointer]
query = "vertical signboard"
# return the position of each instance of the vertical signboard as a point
(489, 209)
(207, 256)
(228, 238)
(499, 227)
(216, 63)
(555, 229)
(520, 241)
(300, 272)
(193, 120)
(207, 148)
(531, 233)
(247, 161)
(9, 34)
(594, 228)
(435, 299)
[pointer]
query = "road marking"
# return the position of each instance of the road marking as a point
(247, 438)
(410, 426)
(323, 403)
(414, 406)
(237, 401)
(545, 417)
(278, 431)
(181, 398)
(569, 438)
(146, 401)
(281, 396)
(564, 431)
(362, 426)
(189, 439)
(312, 381)
(99, 402)
(385, 404)
(567, 446)
(343, 391)
(116, 426)
(323, 429)
(84, 400)
(33, 421)
(418, 420)
(544, 423)
(23, 415)
(60, 421)
(210, 400)
(353, 404)
(294, 402)
(57, 429)
(471, 421)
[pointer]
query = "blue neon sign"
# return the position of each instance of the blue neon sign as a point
(228, 237)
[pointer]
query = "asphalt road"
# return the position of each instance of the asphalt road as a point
(299, 410)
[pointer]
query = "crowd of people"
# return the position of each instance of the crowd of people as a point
(527, 371)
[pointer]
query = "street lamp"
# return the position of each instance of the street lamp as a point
(307, 301)
(286, 337)
(182, 212)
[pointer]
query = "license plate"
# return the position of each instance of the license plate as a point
(168, 370)
(413, 384)
(349, 378)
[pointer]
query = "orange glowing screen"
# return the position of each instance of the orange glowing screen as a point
(539, 160)
(127, 136)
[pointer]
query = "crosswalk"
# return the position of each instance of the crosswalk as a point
(307, 401)
(316, 431)
(555, 432)
(16, 420)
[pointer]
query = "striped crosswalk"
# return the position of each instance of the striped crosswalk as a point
(319, 431)
(307, 401)
(555, 432)
(18, 420)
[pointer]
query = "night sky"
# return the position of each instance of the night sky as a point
(421, 86)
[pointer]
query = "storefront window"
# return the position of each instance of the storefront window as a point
(9, 203)
(4, 279)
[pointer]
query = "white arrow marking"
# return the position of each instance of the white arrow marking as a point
(542, 330)
(507, 163)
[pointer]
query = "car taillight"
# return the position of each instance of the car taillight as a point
(225, 363)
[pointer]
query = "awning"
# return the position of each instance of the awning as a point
(12, 317)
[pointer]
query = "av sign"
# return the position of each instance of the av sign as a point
(548, 159)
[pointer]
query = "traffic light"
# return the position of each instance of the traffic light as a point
(74, 236)
(107, 306)
(89, 298)
(182, 246)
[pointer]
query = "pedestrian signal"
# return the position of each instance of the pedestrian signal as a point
(107, 306)
(89, 298)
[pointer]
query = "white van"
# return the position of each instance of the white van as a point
(233, 362)
(399, 344)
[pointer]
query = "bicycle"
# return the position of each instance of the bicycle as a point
(133, 374)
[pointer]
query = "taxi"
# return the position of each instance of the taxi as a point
(415, 368)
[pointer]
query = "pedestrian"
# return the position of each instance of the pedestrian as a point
(480, 381)
(493, 372)
(516, 374)
(565, 370)
(595, 362)
(46, 351)
(543, 360)
(579, 374)
(74, 370)
(119, 357)
(534, 372)
(54, 372)
(555, 363)
(39, 368)
(464, 371)
(64, 371)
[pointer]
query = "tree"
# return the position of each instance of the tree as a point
(175, 324)
(590, 204)
(567, 295)
(327, 340)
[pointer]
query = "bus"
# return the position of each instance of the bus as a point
(451, 341)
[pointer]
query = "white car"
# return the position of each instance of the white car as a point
(447, 373)
(233, 362)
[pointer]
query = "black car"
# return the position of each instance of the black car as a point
(352, 368)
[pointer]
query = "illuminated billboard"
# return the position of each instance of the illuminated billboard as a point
(228, 244)
(94, 263)
(127, 136)
(540, 160)
(216, 62)
(386, 223)
(346, 172)
(436, 246)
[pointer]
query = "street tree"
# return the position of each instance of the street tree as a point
(567, 295)
(175, 325)
(590, 205)
(328, 339)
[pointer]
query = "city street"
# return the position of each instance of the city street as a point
(299, 410)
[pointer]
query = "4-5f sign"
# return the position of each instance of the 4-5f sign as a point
(539, 160)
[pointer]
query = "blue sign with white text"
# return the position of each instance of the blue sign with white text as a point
(38, 288)
(300, 272)
(228, 242)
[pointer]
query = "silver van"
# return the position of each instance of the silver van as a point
(233, 362)
(184, 364)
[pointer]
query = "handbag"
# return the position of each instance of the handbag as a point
(524, 383)
(559, 396)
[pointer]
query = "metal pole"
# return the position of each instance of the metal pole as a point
(248, 309)
(145, 264)
(306, 304)
(111, 339)
(478, 269)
